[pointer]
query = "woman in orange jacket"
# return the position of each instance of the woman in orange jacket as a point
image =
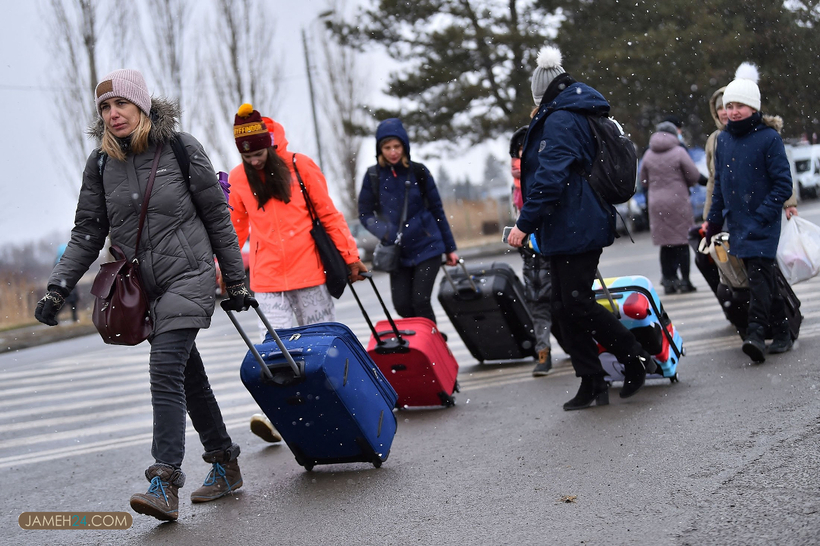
(286, 272)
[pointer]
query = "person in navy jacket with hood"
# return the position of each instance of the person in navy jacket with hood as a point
(572, 228)
(426, 234)
(752, 182)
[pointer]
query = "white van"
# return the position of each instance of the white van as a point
(805, 165)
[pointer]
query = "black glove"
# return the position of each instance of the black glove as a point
(239, 299)
(49, 306)
(711, 230)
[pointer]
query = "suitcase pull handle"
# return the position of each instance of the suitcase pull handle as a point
(469, 277)
(401, 342)
(608, 294)
(299, 371)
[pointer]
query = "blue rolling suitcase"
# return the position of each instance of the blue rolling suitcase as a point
(634, 300)
(322, 392)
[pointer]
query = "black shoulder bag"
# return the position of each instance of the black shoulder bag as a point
(388, 257)
(336, 270)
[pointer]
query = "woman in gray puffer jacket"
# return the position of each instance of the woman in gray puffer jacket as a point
(187, 222)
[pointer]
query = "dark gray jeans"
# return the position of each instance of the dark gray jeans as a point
(179, 383)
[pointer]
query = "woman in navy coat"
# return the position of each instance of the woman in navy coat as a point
(426, 233)
(752, 181)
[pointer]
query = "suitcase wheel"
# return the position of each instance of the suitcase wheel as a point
(447, 400)
(674, 379)
(298, 455)
(377, 462)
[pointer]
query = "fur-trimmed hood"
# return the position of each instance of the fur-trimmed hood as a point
(713, 107)
(775, 122)
(164, 119)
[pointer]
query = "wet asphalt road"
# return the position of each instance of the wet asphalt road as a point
(730, 455)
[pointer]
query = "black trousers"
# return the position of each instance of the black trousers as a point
(673, 258)
(766, 305)
(412, 288)
(582, 321)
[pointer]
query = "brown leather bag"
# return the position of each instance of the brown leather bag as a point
(121, 309)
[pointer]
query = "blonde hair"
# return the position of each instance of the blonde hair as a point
(404, 161)
(139, 139)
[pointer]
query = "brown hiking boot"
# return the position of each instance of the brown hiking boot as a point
(162, 499)
(223, 478)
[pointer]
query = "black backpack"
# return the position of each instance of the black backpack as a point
(614, 175)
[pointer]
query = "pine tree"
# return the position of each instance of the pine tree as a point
(468, 62)
(654, 58)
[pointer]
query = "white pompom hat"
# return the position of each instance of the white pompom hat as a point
(744, 89)
(549, 68)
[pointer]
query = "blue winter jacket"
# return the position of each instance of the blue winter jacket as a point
(559, 204)
(752, 181)
(426, 233)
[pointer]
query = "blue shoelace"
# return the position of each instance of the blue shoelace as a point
(217, 471)
(157, 487)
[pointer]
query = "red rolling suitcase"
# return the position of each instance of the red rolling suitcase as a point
(413, 356)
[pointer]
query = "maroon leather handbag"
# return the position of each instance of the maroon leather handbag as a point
(121, 311)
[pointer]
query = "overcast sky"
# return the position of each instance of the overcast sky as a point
(38, 196)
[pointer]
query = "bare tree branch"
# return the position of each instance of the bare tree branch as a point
(239, 65)
(166, 36)
(342, 92)
(74, 60)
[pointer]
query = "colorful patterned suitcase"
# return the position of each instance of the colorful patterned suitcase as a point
(634, 300)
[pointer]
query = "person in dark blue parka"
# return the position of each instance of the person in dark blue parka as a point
(426, 234)
(752, 181)
(573, 227)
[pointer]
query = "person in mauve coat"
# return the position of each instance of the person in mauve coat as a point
(668, 172)
(187, 223)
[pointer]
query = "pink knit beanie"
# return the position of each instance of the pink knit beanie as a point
(128, 84)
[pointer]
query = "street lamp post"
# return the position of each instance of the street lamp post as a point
(312, 101)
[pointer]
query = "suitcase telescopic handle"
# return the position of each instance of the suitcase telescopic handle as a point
(368, 275)
(608, 294)
(264, 367)
(466, 275)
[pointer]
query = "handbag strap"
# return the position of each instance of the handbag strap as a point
(311, 210)
(144, 210)
(403, 218)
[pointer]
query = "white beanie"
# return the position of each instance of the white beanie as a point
(549, 68)
(743, 89)
(126, 83)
